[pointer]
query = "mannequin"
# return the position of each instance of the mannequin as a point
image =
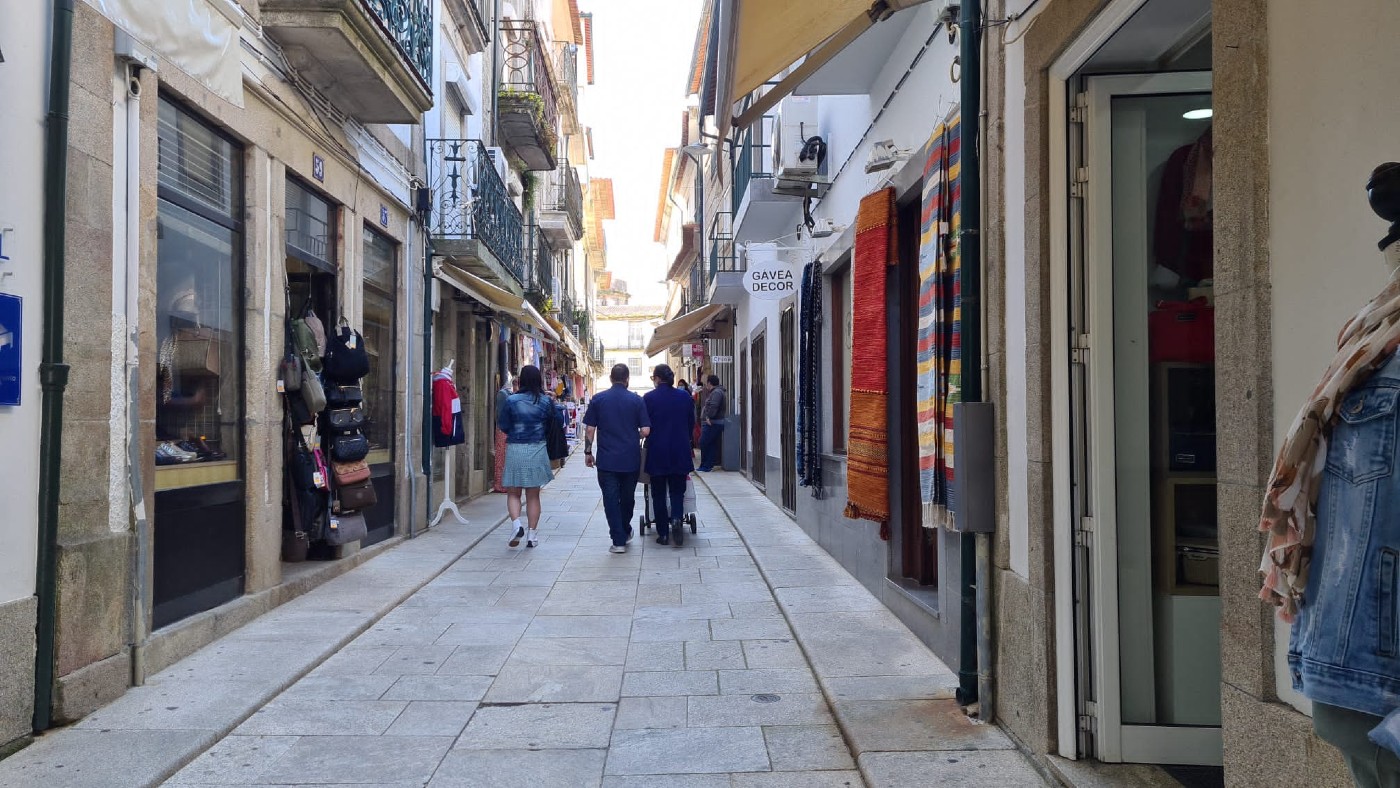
(1343, 650)
(447, 432)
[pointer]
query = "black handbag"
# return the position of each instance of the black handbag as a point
(302, 469)
(349, 447)
(354, 497)
(346, 360)
(345, 528)
(338, 396)
(343, 420)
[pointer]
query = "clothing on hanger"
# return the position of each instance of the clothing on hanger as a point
(447, 410)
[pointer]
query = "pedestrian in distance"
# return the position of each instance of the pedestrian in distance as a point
(523, 419)
(669, 459)
(617, 420)
(714, 407)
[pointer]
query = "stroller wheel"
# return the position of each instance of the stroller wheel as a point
(642, 524)
(692, 526)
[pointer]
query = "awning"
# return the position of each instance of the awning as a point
(498, 298)
(763, 37)
(687, 326)
(568, 340)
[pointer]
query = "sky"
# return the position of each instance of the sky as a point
(642, 51)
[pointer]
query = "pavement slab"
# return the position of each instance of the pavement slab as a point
(746, 658)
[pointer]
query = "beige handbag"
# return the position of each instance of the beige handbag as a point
(196, 352)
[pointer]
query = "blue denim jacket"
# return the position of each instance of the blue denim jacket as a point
(1345, 646)
(522, 417)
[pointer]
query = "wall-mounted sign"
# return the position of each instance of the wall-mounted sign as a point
(11, 343)
(383, 216)
(768, 277)
(318, 167)
(694, 350)
(723, 359)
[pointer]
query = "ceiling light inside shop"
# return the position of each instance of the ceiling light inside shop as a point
(1198, 114)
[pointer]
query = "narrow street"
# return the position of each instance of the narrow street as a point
(748, 657)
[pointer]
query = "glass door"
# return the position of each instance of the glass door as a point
(1147, 355)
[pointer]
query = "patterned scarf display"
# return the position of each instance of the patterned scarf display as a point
(868, 450)
(940, 323)
(809, 381)
(1365, 343)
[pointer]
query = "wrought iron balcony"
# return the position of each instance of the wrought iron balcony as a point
(561, 205)
(539, 269)
(474, 221)
(758, 211)
(566, 78)
(372, 58)
(527, 105)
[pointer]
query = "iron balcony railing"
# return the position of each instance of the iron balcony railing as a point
(563, 193)
(722, 253)
(754, 159)
(470, 202)
(409, 23)
(539, 273)
(566, 73)
(525, 69)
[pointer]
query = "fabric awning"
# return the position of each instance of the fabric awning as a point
(767, 36)
(685, 327)
(498, 298)
(568, 340)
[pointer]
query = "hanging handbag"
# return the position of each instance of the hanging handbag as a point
(311, 391)
(555, 443)
(301, 467)
(338, 396)
(304, 340)
(348, 448)
(343, 420)
(299, 411)
(347, 473)
(346, 358)
(289, 372)
(345, 528)
(356, 497)
(196, 351)
(322, 472)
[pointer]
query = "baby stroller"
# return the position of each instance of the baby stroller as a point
(648, 517)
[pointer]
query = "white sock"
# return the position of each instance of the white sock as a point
(516, 525)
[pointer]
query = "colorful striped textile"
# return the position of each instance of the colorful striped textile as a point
(940, 323)
(809, 381)
(868, 449)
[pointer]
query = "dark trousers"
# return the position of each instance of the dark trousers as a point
(667, 501)
(619, 499)
(1371, 766)
(709, 444)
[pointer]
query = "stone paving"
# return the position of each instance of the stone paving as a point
(746, 658)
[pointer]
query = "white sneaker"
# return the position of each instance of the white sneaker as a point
(517, 536)
(531, 540)
(618, 548)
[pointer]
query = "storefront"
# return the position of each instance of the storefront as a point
(199, 519)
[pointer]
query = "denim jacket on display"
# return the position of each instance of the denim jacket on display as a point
(1345, 645)
(522, 417)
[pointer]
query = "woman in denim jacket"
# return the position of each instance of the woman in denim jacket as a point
(522, 418)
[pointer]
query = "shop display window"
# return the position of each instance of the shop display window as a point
(380, 254)
(199, 349)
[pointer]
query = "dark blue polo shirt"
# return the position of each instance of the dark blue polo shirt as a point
(672, 413)
(618, 414)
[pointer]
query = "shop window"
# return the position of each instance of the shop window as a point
(840, 321)
(198, 273)
(634, 364)
(309, 230)
(380, 255)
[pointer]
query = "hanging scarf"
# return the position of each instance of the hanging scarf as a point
(809, 395)
(1365, 342)
(868, 450)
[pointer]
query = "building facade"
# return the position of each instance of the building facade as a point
(1132, 311)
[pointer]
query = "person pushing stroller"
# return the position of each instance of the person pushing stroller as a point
(668, 455)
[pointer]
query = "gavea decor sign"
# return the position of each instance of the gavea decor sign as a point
(767, 276)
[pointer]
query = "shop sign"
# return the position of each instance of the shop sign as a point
(768, 277)
(723, 359)
(697, 350)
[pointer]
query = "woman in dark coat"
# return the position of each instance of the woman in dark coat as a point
(669, 460)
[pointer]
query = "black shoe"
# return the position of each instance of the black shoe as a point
(678, 534)
(663, 540)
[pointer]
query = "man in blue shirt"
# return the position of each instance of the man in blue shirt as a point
(617, 419)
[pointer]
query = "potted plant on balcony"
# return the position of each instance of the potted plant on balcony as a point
(528, 106)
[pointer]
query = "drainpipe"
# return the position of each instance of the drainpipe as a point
(53, 372)
(427, 369)
(969, 243)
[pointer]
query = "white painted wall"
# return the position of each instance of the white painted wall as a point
(1014, 234)
(23, 80)
(1332, 119)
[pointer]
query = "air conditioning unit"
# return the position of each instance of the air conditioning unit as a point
(498, 158)
(799, 147)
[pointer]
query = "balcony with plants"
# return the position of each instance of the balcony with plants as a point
(526, 104)
(559, 199)
(473, 221)
(372, 58)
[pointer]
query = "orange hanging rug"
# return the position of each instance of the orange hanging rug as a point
(868, 449)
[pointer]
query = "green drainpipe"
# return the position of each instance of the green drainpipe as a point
(53, 373)
(970, 42)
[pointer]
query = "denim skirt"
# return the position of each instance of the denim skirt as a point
(527, 465)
